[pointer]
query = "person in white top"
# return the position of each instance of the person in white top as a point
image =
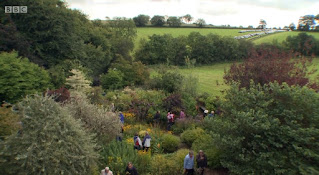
(106, 171)
(147, 141)
(137, 142)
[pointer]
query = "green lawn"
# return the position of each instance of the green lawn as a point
(211, 77)
(175, 32)
(281, 37)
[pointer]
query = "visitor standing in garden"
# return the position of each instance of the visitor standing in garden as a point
(147, 141)
(106, 171)
(189, 163)
(182, 115)
(205, 113)
(170, 119)
(157, 117)
(121, 117)
(201, 160)
(130, 169)
(137, 142)
(212, 114)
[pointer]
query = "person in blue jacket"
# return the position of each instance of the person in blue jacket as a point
(189, 163)
(121, 117)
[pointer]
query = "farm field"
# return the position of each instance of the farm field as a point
(175, 32)
(281, 37)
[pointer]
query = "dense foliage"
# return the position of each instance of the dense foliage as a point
(19, 77)
(9, 122)
(263, 70)
(165, 49)
(303, 44)
(50, 141)
(268, 130)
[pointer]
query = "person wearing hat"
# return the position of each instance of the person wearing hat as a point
(106, 171)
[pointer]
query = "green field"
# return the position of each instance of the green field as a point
(281, 37)
(211, 77)
(175, 32)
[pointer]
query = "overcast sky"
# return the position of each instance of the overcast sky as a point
(277, 13)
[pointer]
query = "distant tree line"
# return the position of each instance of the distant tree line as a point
(172, 21)
(165, 49)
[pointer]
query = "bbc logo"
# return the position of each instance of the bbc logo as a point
(16, 9)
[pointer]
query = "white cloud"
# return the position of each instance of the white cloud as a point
(218, 12)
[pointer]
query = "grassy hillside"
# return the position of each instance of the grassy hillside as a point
(281, 37)
(175, 32)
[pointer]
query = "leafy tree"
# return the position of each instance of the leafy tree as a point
(305, 22)
(141, 20)
(168, 81)
(262, 24)
(303, 44)
(188, 18)
(112, 80)
(134, 73)
(9, 122)
(159, 49)
(50, 141)
(200, 22)
(268, 129)
(78, 81)
(292, 26)
(158, 20)
(174, 21)
(122, 34)
(265, 70)
(19, 77)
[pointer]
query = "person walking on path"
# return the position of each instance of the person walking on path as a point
(106, 171)
(201, 160)
(130, 169)
(121, 117)
(137, 142)
(189, 163)
(147, 141)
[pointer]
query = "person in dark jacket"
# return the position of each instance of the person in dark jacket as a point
(157, 117)
(201, 160)
(130, 169)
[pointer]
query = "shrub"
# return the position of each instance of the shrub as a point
(190, 135)
(183, 124)
(265, 70)
(112, 80)
(303, 44)
(170, 142)
(205, 143)
(169, 163)
(105, 124)
(8, 122)
(116, 155)
(19, 77)
(50, 141)
(268, 129)
(143, 161)
(60, 95)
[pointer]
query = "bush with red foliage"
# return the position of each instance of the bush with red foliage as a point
(61, 95)
(173, 103)
(270, 64)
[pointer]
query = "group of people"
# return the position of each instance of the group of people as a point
(130, 170)
(201, 161)
(145, 145)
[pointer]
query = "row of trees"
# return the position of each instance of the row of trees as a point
(172, 21)
(165, 49)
